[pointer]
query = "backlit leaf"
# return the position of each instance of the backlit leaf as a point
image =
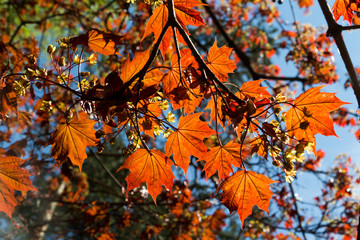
(98, 41)
(245, 189)
(152, 167)
(219, 61)
(309, 114)
(71, 139)
(345, 8)
(8, 100)
(221, 158)
(187, 140)
(254, 90)
(130, 68)
(12, 177)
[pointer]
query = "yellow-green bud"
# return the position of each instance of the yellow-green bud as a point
(62, 61)
(51, 49)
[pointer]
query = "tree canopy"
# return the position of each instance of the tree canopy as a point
(149, 119)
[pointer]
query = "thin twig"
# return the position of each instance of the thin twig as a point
(106, 169)
(297, 211)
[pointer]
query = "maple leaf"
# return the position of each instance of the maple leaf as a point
(187, 140)
(181, 92)
(8, 100)
(182, 98)
(171, 79)
(345, 8)
(245, 189)
(130, 68)
(217, 220)
(305, 3)
(184, 14)
(253, 89)
(219, 62)
(98, 41)
(152, 167)
(71, 139)
(152, 77)
(220, 159)
(146, 125)
(309, 114)
(12, 177)
(260, 146)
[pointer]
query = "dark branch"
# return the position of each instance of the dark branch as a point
(335, 31)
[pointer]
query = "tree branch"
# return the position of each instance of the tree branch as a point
(173, 22)
(334, 30)
(297, 211)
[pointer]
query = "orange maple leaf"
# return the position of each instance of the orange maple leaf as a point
(130, 68)
(345, 8)
(171, 79)
(185, 14)
(152, 77)
(71, 139)
(219, 62)
(178, 90)
(245, 189)
(98, 41)
(187, 140)
(182, 98)
(260, 146)
(12, 177)
(152, 167)
(220, 159)
(253, 89)
(309, 114)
